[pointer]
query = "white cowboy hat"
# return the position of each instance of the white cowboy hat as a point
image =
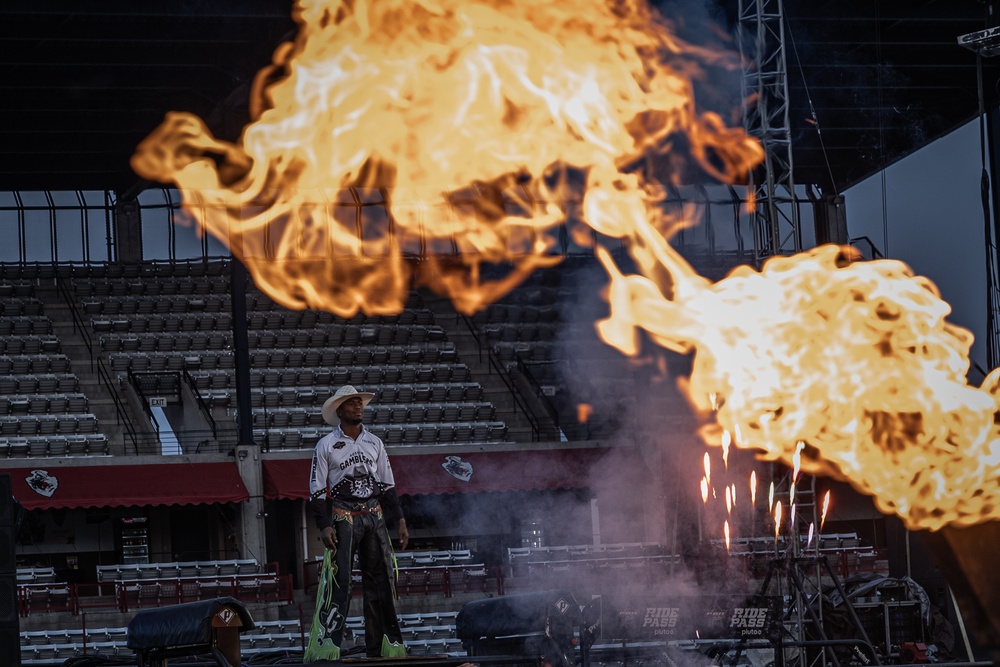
(334, 402)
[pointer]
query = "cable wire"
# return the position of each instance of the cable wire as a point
(881, 130)
(814, 119)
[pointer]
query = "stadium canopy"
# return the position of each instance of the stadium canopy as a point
(51, 486)
(478, 472)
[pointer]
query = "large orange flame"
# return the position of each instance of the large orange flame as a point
(468, 115)
(853, 359)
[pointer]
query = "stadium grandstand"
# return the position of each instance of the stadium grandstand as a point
(523, 446)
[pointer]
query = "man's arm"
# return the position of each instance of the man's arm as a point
(327, 534)
(319, 502)
(404, 534)
(393, 511)
(389, 499)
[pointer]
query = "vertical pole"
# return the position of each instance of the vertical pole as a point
(128, 231)
(595, 522)
(247, 451)
(241, 351)
(761, 38)
(992, 232)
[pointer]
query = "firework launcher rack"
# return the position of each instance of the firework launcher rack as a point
(799, 575)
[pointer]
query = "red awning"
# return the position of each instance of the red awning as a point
(524, 470)
(51, 486)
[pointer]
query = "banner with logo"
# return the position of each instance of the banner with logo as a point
(690, 617)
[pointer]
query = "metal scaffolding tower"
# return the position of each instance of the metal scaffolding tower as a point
(761, 37)
(802, 576)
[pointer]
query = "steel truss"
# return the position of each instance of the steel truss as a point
(761, 38)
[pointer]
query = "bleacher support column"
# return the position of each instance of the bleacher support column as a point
(657, 498)
(241, 351)
(595, 522)
(302, 554)
(653, 494)
(10, 649)
(247, 451)
(128, 229)
(252, 542)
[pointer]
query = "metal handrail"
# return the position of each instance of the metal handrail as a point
(202, 405)
(174, 590)
(135, 380)
(121, 410)
(474, 330)
(539, 394)
(113, 595)
(493, 577)
(518, 400)
(143, 401)
(78, 324)
(103, 375)
(876, 253)
(494, 364)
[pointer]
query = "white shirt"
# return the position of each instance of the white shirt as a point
(350, 469)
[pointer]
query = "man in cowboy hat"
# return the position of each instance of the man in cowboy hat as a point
(350, 483)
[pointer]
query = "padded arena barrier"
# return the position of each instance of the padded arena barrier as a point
(540, 624)
(191, 628)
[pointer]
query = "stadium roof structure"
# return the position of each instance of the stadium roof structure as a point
(84, 82)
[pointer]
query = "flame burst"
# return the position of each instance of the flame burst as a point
(797, 462)
(469, 115)
(853, 359)
(777, 519)
(474, 118)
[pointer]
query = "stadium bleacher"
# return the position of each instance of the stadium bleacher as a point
(42, 410)
(296, 357)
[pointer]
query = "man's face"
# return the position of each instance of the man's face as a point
(350, 411)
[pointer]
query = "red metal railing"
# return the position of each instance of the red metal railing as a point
(46, 598)
(133, 594)
(853, 561)
(249, 588)
(844, 561)
(443, 580)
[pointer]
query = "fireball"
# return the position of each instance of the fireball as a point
(483, 125)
